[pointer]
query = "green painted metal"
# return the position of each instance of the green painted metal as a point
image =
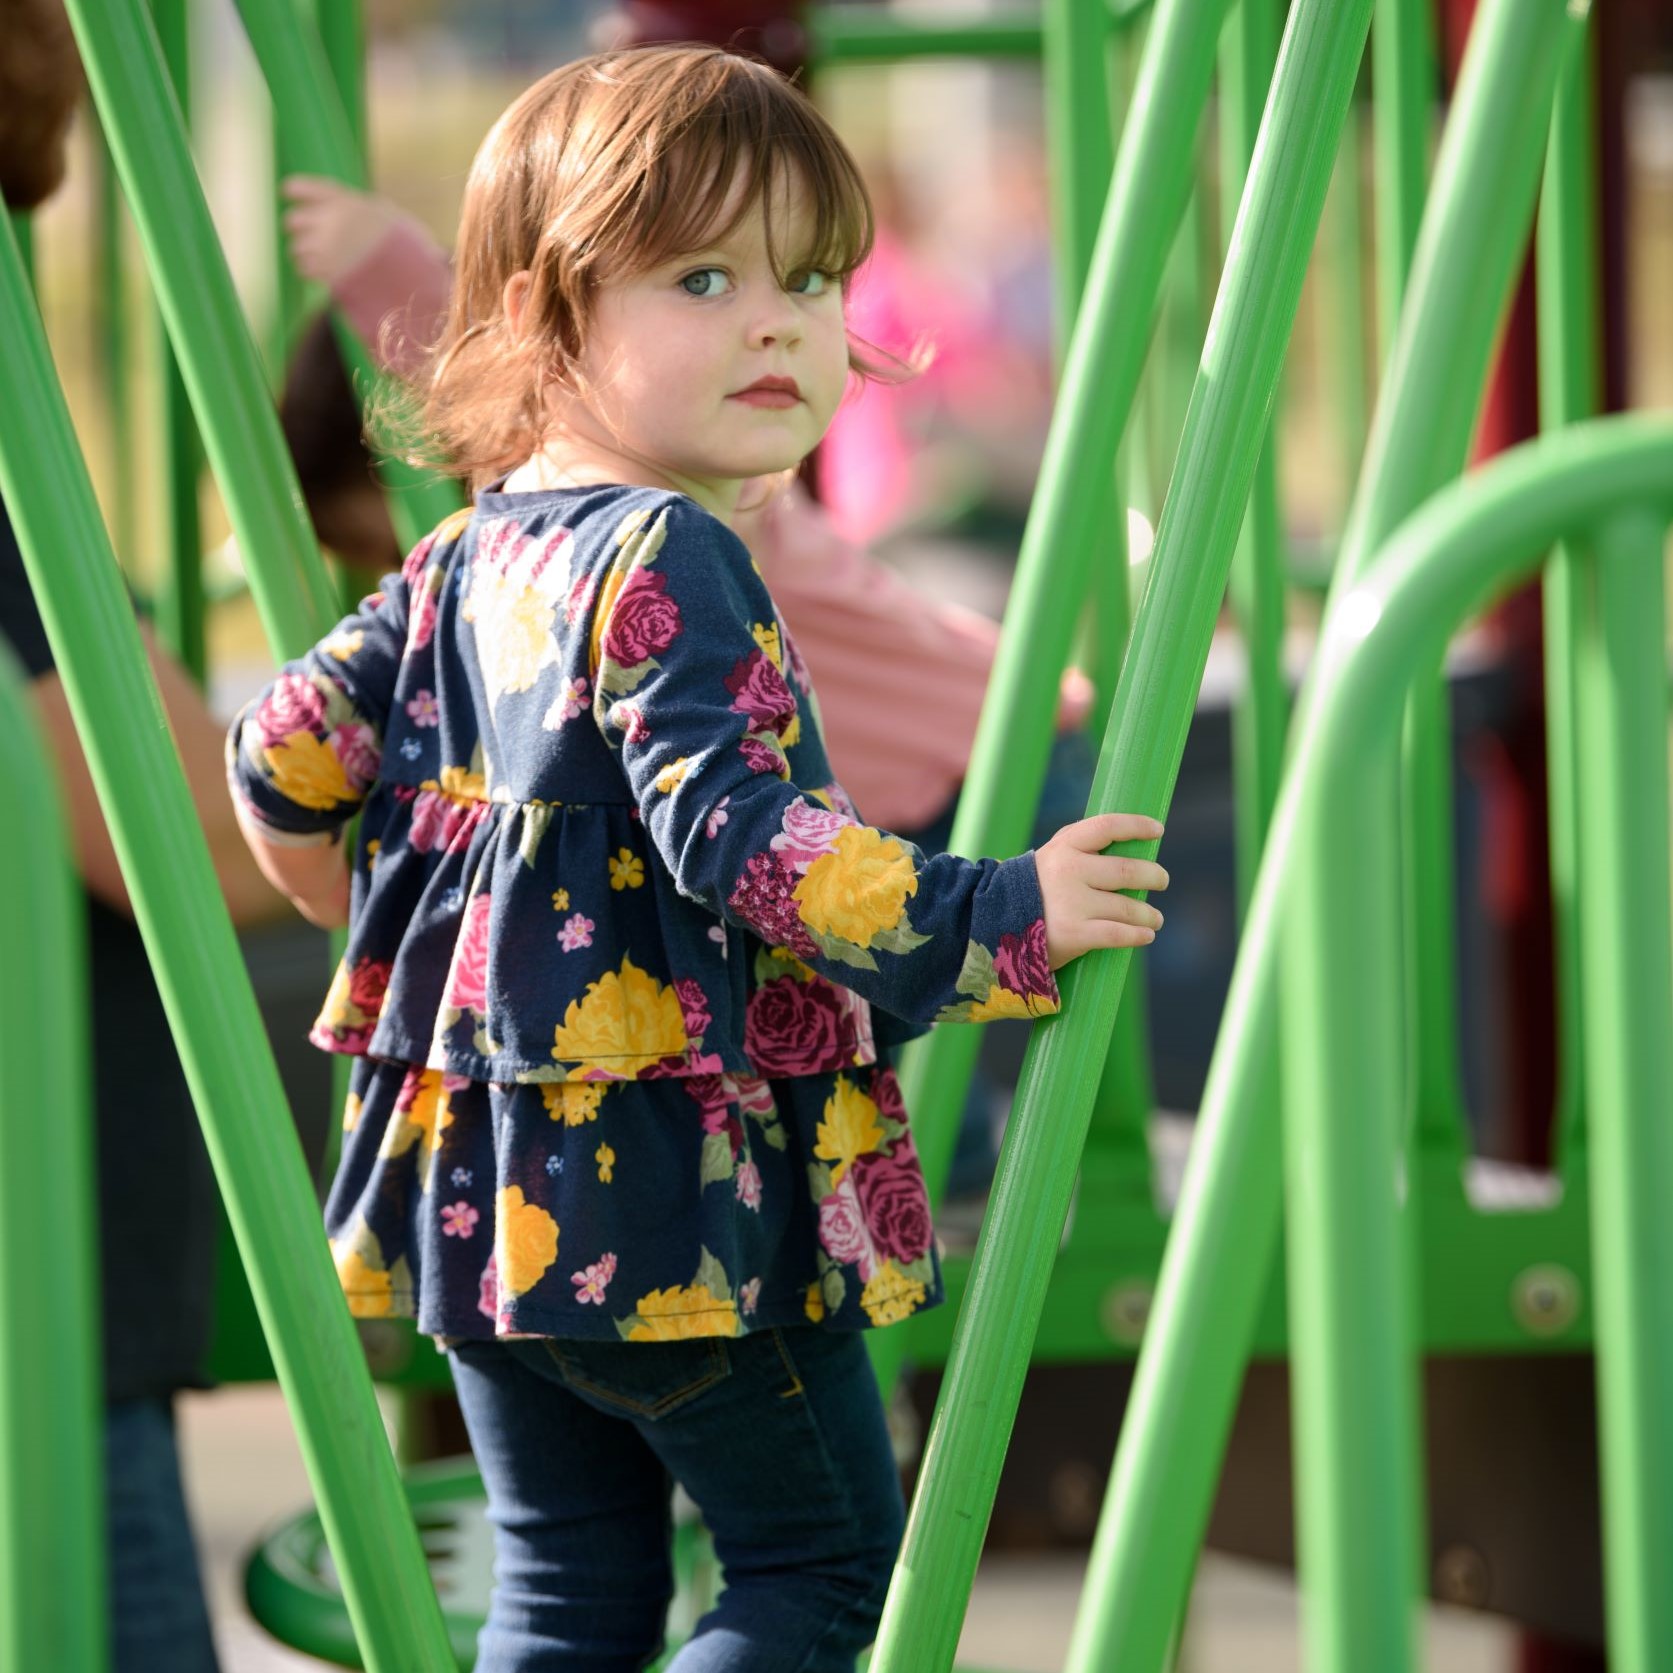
(52, 1546)
(182, 613)
(1628, 1009)
(1215, 1272)
(1403, 56)
(1569, 376)
(142, 121)
(342, 33)
(23, 235)
(165, 862)
(1147, 196)
(1345, 239)
(839, 35)
(110, 345)
(1248, 48)
(1142, 749)
(1354, 1394)
(317, 137)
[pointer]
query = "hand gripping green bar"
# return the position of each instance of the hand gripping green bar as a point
(1067, 525)
(52, 1517)
(229, 1064)
(1217, 1262)
(318, 138)
(1608, 484)
(1224, 431)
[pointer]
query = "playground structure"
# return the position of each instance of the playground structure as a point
(1335, 1083)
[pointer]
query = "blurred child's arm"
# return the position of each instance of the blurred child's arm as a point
(302, 755)
(691, 686)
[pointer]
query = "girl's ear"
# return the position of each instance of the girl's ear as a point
(513, 298)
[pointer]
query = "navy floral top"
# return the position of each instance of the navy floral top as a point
(616, 937)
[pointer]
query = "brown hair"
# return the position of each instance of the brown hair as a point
(40, 82)
(611, 166)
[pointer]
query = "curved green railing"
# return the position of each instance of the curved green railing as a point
(52, 1545)
(1606, 487)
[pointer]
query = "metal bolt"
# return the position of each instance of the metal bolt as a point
(1462, 1577)
(1127, 1311)
(1545, 1299)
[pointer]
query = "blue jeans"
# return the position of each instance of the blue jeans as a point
(159, 1623)
(779, 1438)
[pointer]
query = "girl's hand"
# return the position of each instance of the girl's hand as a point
(1080, 885)
(329, 908)
(331, 228)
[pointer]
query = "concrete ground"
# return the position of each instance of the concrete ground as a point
(244, 1473)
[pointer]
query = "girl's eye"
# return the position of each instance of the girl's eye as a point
(810, 283)
(706, 281)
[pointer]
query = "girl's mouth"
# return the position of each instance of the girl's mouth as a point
(773, 393)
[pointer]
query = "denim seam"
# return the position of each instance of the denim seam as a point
(718, 1370)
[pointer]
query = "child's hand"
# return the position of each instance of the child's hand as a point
(1079, 884)
(329, 907)
(330, 228)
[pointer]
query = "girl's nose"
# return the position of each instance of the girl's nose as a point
(775, 323)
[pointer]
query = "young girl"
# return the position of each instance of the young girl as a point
(621, 1133)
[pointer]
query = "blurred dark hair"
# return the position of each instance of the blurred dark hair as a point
(40, 83)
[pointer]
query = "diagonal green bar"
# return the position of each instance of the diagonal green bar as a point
(1628, 1007)
(53, 1610)
(1224, 430)
(1219, 1254)
(317, 137)
(1067, 523)
(143, 124)
(211, 1009)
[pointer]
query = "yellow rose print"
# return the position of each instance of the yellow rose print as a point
(891, 1296)
(460, 783)
(814, 1304)
(767, 637)
(628, 1021)
(673, 775)
(1001, 1002)
(627, 870)
(573, 1102)
(606, 1159)
(672, 1315)
(525, 1241)
(306, 770)
(850, 1129)
(859, 889)
(343, 645)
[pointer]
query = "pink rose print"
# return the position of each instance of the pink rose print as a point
(580, 599)
(893, 1200)
(764, 757)
(295, 704)
(886, 1094)
(749, 1295)
(627, 720)
(356, 747)
(413, 566)
(763, 899)
(842, 1229)
(421, 625)
(645, 620)
(488, 1291)
(502, 544)
(592, 1281)
(577, 932)
(794, 661)
(1023, 965)
(574, 700)
(423, 710)
(749, 1186)
(459, 1220)
(758, 690)
(808, 831)
(752, 1095)
(694, 1007)
(467, 989)
(794, 1028)
(368, 981)
(717, 817)
(438, 821)
(843, 802)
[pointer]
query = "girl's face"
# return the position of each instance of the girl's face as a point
(708, 369)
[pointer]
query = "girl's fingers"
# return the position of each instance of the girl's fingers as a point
(1093, 835)
(1117, 871)
(1101, 906)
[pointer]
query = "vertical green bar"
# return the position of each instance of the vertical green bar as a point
(181, 610)
(211, 1009)
(110, 348)
(1353, 1390)
(342, 32)
(1226, 1223)
(1403, 57)
(1248, 48)
(1224, 427)
(23, 232)
(1066, 525)
(53, 1600)
(1567, 297)
(1345, 225)
(1629, 1076)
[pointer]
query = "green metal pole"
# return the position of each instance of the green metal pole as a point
(1226, 1224)
(1403, 57)
(52, 1521)
(317, 137)
(142, 120)
(182, 614)
(840, 35)
(342, 32)
(211, 1009)
(1067, 524)
(1345, 223)
(1353, 1390)
(1567, 299)
(110, 348)
(1223, 434)
(23, 233)
(1628, 1002)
